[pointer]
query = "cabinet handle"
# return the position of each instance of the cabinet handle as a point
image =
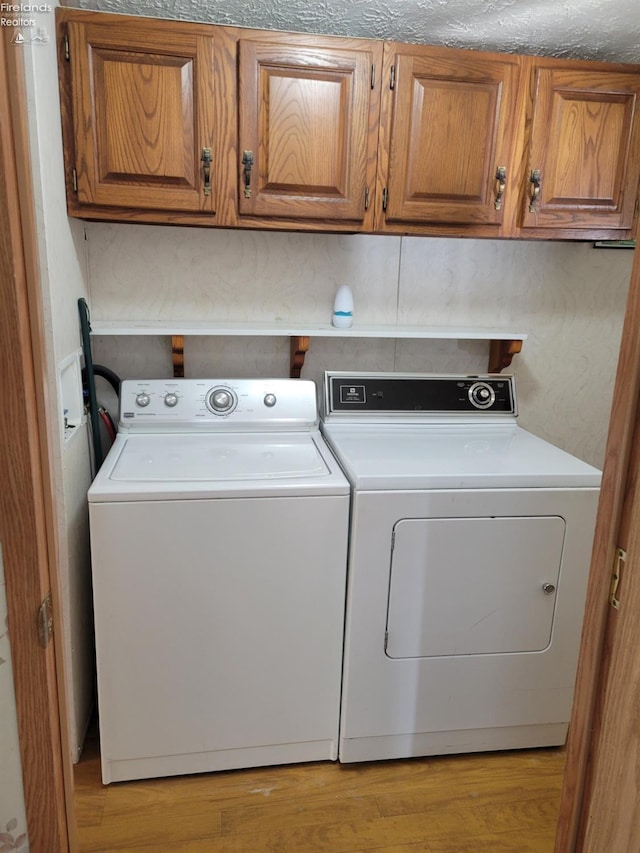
(247, 162)
(501, 178)
(206, 170)
(534, 180)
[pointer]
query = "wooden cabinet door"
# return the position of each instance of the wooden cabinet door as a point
(452, 120)
(143, 102)
(584, 148)
(305, 137)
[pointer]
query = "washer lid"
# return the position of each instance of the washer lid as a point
(454, 456)
(196, 465)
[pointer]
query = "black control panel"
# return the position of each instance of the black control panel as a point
(387, 393)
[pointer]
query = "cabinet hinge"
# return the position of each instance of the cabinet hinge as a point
(74, 180)
(45, 622)
(385, 198)
(366, 199)
(618, 562)
(67, 52)
(373, 76)
(636, 208)
(392, 77)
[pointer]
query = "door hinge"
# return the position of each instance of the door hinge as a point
(373, 76)
(392, 77)
(618, 561)
(67, 52)
(45, 622)
(74, 180)
(385, 198)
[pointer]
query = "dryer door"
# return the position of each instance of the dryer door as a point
(473, 586)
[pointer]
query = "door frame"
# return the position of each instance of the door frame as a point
(26, 500)
(592, 664)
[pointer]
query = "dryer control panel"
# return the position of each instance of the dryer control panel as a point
(417, 395)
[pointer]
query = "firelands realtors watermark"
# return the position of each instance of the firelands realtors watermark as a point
(20, 16)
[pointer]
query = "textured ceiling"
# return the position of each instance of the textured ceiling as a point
(589, 29)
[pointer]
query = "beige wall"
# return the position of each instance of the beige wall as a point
(568, 297)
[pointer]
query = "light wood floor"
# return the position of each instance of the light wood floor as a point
(485, 803)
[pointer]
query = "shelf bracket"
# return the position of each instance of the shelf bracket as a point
(299, 348)
(177, 355)
(501, 354)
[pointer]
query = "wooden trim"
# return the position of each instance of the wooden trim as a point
(298, 347)
(501, 354)
(573, 806)
(177, 354)
(26, 501)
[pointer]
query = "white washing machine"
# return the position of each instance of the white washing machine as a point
(219, 524)
(469, 553)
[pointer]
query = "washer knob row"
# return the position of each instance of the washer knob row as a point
(143, 399)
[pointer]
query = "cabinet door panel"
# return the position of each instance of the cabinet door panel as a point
(584, 147)
(146, 111)
(438, 170)
(304, 115)
(449, 135)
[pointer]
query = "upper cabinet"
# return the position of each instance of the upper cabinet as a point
(308, 112)
(584, 154)
(143, 109)
(197, 124)
(449, 126)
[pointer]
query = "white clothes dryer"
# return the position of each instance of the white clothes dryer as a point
(469, 553)
(219, 524)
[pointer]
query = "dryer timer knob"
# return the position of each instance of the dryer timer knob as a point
(481, 395)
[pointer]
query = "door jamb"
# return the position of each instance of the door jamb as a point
(626, 394)
(26, 500)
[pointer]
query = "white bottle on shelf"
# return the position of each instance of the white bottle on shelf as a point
(342, 317)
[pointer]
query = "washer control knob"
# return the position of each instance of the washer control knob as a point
(171, 399)
(142, 399)
(481, 395)
(221, 401)
(269, 400)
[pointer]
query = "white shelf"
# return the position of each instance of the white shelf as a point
(504, 344)
(324, 330)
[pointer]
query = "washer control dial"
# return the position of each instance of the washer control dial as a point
(221, 400)
(269, 400)
(171, 399)
(142, 399)
(481, 395)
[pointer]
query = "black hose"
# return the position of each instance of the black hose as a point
(100, 370)
(91, 385)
